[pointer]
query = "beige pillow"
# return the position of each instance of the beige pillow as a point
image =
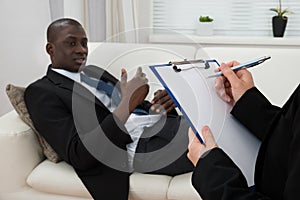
(16, 97)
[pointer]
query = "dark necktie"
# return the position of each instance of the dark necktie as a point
(110, 90)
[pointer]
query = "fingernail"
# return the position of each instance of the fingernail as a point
(205, 128)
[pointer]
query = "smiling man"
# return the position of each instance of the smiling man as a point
(96, 127)
(67, 45)
(52, 108)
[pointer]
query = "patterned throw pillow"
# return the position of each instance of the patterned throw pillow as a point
(16, 97)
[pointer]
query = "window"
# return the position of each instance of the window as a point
(231, 17)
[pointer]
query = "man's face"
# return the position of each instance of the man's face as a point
(69, 49)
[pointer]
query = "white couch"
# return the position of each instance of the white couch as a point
(26, 175)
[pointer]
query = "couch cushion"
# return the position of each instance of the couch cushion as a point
(60, 178)
(16, 97)
(19, 152)
(148, 186)
(181, 188)
(57, 178)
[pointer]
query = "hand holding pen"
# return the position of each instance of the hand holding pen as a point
(232, 85)
(248, 64)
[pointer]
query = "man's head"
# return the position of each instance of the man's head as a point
(67, 44)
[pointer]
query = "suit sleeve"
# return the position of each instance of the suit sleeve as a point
(52, 116)
(217, 177)
(255, 112)
(291, 189)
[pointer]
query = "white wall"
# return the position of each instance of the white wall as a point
(23, 38)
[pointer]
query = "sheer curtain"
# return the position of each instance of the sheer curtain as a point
(121, 21)
(90, 13)
(104, 20)
(96, 20)
(56, 9)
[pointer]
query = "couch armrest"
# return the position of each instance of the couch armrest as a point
(19, 152)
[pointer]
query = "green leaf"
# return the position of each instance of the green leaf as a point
(205, 19)
(274, 9)
(280, 12)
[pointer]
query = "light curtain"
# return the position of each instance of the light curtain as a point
(121, 21)
(91, 14)
(56, 9)
(104, 20)
(96, 20)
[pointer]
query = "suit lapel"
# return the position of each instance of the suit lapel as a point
(60, 80)
(76, 88)
(99, 73)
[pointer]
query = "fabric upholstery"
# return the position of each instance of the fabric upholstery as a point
(16, 97)
(57, 178)
(180, 187)
(20, 152)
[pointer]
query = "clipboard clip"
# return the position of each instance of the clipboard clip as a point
(185, 61)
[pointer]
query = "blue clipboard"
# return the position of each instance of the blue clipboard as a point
(194, 94)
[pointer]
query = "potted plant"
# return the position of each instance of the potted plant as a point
(205, 25)
(279, 21)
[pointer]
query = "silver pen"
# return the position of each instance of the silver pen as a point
(248, 64)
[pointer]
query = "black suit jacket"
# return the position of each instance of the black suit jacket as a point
(277, 174)
(89, 137)
(68, 115)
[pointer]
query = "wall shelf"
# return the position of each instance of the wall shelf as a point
(225, 40)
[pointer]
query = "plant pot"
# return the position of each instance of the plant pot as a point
(279, 25)
(205, 28)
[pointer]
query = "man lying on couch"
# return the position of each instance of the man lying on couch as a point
(102, 127)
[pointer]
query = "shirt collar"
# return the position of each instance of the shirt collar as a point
(75, 76)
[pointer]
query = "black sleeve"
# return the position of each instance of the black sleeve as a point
(255, 112)
(53, 117)
(217, 177)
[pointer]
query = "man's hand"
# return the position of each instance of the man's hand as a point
(196, 149)
(133, 93)
(162, 102)
(232, 85)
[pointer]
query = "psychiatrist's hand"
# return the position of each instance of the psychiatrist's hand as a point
(162, 100)
(196, 149)
(232, 85)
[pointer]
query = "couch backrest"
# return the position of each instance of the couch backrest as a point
(114, 56)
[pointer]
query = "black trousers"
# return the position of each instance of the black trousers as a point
(162, 148)
(105, 183)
